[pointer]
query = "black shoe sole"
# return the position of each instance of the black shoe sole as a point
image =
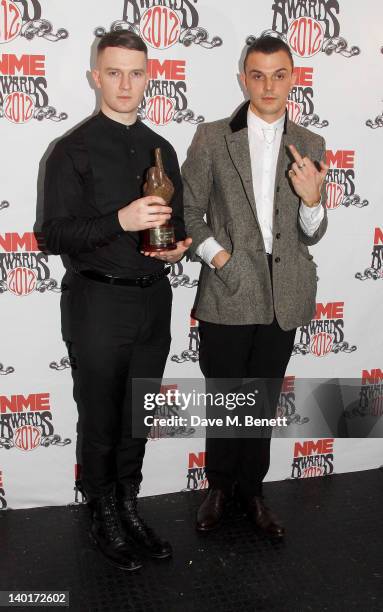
(160, 557)
(110, 561)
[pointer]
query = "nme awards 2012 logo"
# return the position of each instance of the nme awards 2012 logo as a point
(313, 458)
(26, 422)
(24, 18)
(375, 271)
(163, 23)
(286, 403)
(23, 82)
(309, 27)
(196, 474)
(23, 89)
(23, 266)
(165, 96)
(300, 103)
(340, 180)
(324, 334)
(192, 352)
(3, 501)
(171, 412)
(371, 393)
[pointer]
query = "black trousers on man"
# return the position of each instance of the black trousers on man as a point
(242, 351)
(114, 334)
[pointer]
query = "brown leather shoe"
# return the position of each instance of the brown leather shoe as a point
(263, 518)
(211, 510)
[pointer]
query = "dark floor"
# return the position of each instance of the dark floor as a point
(332, 557)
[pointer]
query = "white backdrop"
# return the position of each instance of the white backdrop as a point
(195, 46)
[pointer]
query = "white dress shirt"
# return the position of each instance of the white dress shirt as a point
(264, 145)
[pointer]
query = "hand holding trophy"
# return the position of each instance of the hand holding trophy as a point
(160, 238)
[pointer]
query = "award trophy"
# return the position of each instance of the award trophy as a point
(160, 238)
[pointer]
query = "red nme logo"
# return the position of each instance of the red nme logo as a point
(321, 344)
(21, 281)
(305, 36)
(27, 437)
(335, 195)
(160, 27)
(160, 109)
(10, 21)
(294, 110)
(19, 107)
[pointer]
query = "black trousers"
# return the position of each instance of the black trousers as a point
(242, 351)
(113, 334)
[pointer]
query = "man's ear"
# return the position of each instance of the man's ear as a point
(293, 78)
(242, 76)
(96, 78)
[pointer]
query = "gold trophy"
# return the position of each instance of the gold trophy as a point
(160, 238)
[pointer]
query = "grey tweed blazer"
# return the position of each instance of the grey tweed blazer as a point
(219, 202)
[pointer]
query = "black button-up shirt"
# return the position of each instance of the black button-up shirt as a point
(93, 172)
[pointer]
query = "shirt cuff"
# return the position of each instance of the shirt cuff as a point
(111, 227)
(208, 249)
(310, 218)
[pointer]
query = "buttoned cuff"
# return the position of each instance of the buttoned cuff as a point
(208, 249)
(310, 218)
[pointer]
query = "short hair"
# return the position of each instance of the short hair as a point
(268, 45)
(124, 39)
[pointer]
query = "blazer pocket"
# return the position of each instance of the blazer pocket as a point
(308, 270)
(228, 274)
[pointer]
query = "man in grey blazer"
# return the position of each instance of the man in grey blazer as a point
(254, 201)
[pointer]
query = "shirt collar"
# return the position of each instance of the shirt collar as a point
(257, 124)
(116, 125)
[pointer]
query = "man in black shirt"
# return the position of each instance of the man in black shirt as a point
(116, 301)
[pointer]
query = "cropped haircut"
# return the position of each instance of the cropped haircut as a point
(268, 45)
(124, 39)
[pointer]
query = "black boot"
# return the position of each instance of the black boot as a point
(135, 526)
(109, 535)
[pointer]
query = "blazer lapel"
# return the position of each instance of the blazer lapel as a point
(238, 147)
(284, 158)
(282, 163)
(237, 142)
(239, 151)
